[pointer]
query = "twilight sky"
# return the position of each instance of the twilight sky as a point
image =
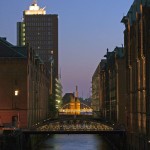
(86, 29)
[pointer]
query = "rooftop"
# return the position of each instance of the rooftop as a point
(9, 50)
(34, 9)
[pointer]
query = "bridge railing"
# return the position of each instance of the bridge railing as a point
(75, 126)
(76, 111)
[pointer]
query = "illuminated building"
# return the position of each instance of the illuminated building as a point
(40, 30)
(58, 92)
(77, 103)
(71, 103)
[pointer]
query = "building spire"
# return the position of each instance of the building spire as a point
(76, 95)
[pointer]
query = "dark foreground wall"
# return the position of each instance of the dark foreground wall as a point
(11, 140)
(118, 142)
(16, 140)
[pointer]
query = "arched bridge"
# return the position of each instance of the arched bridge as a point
(74, 126)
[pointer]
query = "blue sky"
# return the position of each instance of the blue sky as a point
(86, 29)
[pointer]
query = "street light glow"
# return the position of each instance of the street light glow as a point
(16, 92)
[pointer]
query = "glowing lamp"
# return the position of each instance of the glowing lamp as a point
(16, 92)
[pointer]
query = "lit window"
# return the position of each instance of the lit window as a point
(16, 92)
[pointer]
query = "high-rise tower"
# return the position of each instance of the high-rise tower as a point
(40, 30)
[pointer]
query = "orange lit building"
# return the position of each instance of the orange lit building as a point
(71, 103)
(74, 106)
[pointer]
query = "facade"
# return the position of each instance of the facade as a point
(98, 88)
(58, 94)
(137, 47)
(109, 87)
(24, 86)
(111, 101)
(116, 74)
(40, 30)
(120, 63)
(103, 87)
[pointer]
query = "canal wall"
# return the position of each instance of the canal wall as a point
(11, 140)
(16, 140)
(31, 142)
(117, 142)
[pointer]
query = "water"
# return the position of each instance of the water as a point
(75, 142)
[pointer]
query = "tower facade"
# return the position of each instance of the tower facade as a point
(40, 30)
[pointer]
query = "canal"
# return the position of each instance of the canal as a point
(74, 142)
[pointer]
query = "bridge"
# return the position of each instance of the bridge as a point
(71, 125)
(74, 119)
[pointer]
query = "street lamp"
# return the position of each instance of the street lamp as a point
(16, 92)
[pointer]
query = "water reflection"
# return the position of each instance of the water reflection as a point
(75, 142)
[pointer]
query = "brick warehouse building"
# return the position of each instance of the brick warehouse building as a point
(24, 86)
(137, 47)
(114, 101)
(98, 89)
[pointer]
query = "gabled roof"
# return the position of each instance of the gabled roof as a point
(21, 49)
(68, 97)
(8, 50)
